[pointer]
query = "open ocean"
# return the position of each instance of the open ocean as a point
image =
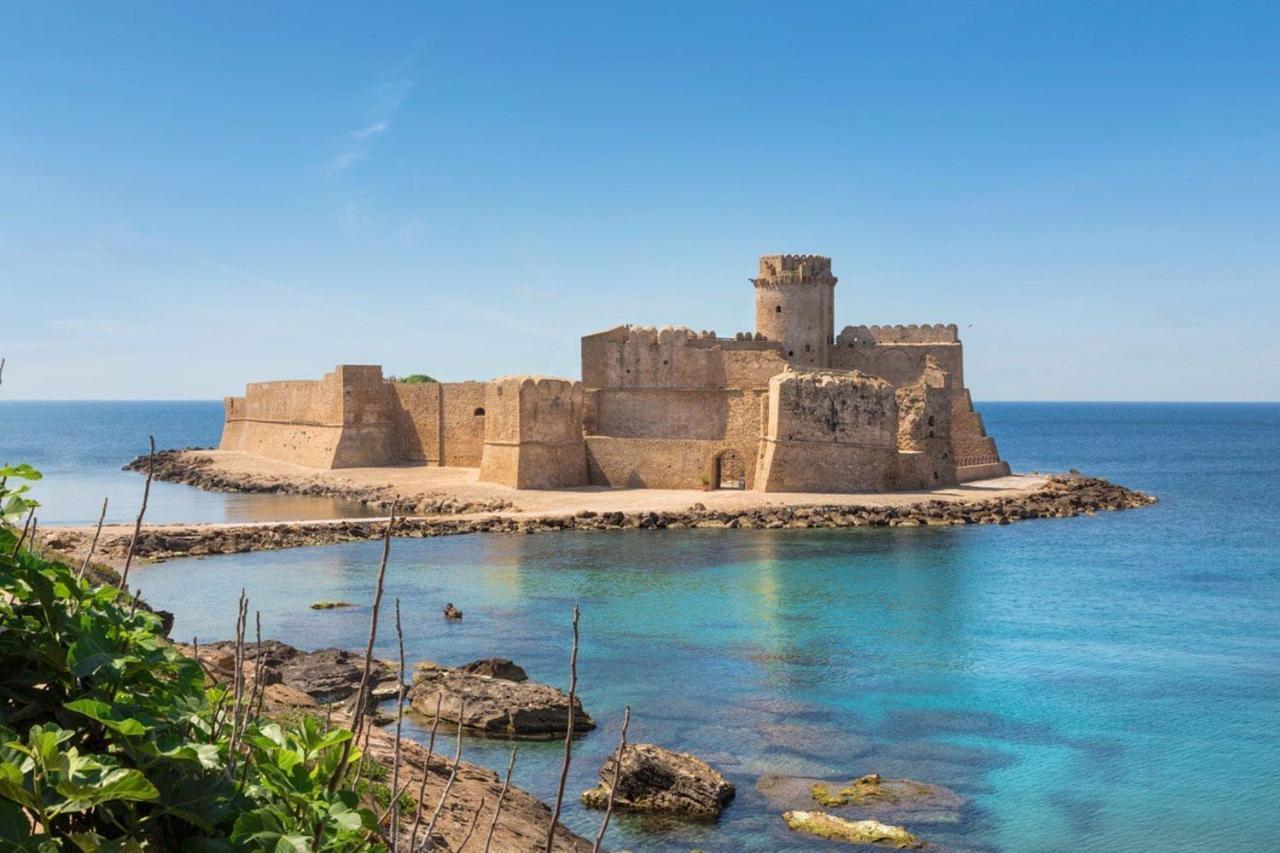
(1108, 683)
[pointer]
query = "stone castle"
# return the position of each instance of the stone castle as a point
(792, 407)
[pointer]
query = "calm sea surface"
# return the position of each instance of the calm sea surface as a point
(1095, 683)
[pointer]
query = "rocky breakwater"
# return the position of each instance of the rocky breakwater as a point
(1062, 496)
(192, 467)
(495, 697)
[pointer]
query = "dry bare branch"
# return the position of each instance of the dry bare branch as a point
(613, 787)
(26, 528)
(453, 774)
(93, 545)
(568, 735)
(475, 819)
(502, 795)
(362, 695)
(426, 771)
(137, 525)
(395, 763)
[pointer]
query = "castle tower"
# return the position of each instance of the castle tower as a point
(795, 304)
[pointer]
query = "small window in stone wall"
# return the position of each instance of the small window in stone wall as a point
(778, 310)
(479, 412)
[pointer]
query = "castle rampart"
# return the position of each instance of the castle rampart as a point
(790, 406)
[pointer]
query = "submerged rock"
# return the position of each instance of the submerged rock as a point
(330, 605)
(824, 825)
(495, 704)
(873, 790)
(654, 779)
(870, 796)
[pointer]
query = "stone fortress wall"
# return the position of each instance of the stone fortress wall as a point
(791, 406)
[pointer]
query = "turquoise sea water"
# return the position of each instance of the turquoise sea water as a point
(1093, 683)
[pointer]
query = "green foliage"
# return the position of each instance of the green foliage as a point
(111, 740)
(414, 379)
(12, 503)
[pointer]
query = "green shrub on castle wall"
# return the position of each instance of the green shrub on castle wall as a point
(110, 739)
(413, 379)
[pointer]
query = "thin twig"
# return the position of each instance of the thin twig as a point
(26, 528)
(613, 787)
(93, 546)
(340, 769)
(568, 735)
(395, 764)
(502, 795)
(137, 525)
(426, 771)
(453, 774)
(475, 818)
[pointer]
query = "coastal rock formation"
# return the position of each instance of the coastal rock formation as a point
(496, 668)
(192, 468)
(1062, 496)
(326, 675)
(473, 792)
(494, 704)
(853, 831)
(654, 779)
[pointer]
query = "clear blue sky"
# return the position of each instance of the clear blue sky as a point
(193, 196)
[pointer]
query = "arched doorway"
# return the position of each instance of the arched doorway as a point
(728, 471)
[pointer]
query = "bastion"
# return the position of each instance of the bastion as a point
(792, 406)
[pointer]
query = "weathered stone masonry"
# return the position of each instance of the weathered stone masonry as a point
(792, 406)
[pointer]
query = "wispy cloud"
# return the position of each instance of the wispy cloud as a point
(356, 145)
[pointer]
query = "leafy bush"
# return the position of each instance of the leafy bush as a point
(413, 379)
(110, 739)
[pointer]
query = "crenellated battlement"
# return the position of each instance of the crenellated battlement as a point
(937, 333)
(776, 270)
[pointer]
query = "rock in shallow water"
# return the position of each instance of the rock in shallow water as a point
(854, 831)
(495, 704)
(654, 779)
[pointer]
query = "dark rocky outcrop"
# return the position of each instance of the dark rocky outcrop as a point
(326, 675)
(451, 612)
(495, 705)
(496, 668)
(654, 779)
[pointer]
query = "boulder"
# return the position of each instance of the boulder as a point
(495, 668)
(326, 675)
(494, 704)
(451, 612)
(654, 779)
(854, 831)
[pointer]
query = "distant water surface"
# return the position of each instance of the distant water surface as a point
(81, 446)
(1108, 683)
